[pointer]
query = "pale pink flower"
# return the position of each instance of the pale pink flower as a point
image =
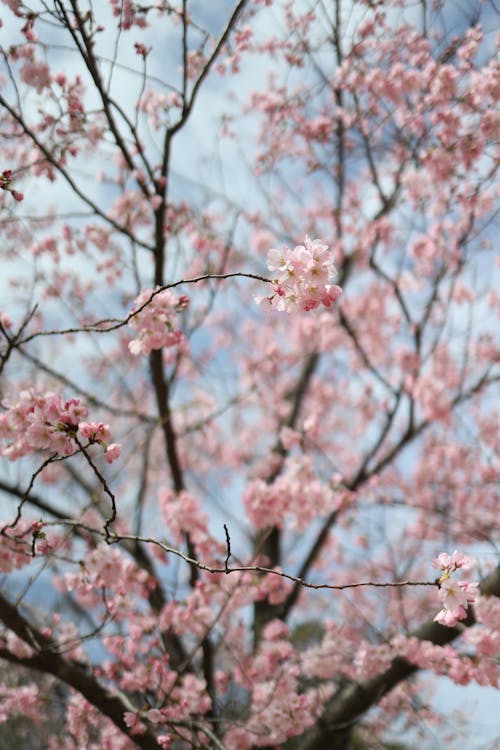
(455, 595)
(133, 723)
(154, 716)
(112, 452)
(164, 741)
(449, 563)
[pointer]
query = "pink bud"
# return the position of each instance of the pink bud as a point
(112, 452)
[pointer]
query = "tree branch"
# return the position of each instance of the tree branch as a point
(46, 659)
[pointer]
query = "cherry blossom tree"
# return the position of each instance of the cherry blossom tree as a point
(249, 435)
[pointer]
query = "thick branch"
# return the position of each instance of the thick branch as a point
(156, 596)
(46, 659)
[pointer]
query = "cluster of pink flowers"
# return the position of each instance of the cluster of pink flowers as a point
(455, 595)
(23, 701)
(303, 277)
(36, 74)
(279, 709)
(457, 666)
(154, 321)
(46, 422)
(105, 567)
(128, 13)
(187, 698)
(14, 553)
(282, 501)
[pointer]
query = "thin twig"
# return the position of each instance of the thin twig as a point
(116, 323)
(228, 547)
(213, 569)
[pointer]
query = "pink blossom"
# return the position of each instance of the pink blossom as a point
(133, 723)
(23, 701)
(455, 595)
(5, 184)
(112, 452)
(73, 411)
(164, 741)
(449, 563)
(35, 74)
(156, 201)
(289, 438)
(154, 716)
(268, 504)
(141, 49)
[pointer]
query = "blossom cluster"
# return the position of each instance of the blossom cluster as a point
(105, 567)
(303, 276)
(154, 321)
(270, 504)
(279, 709)
(46, 422)
(455, 595)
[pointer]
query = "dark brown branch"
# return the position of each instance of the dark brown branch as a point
(13, 340)
(156, 596)
(46, 659)
(233, 19)
(103, 483)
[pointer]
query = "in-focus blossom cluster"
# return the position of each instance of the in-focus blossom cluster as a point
(45, 422)
(303, 277)
(155, 321)
(455, 595)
